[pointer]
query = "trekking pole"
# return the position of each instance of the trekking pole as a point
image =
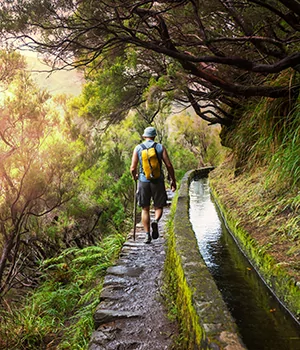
(134, 209)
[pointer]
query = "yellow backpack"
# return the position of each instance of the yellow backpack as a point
(150, 162)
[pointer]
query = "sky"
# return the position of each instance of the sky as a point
(64, 81)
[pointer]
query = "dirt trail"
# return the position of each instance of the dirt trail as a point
(131, 314)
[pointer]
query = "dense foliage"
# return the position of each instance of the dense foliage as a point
(59, 314)
(208, 54)
(267, 135)
(67, 200)
(66, 190)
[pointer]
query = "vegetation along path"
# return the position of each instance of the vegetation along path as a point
(131, 314)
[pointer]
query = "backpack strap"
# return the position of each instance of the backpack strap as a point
(144, 147)
(159, 158)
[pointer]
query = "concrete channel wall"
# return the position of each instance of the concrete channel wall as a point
(204, 319)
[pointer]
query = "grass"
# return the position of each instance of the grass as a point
(285, 162)
(269, 214)
(266, 136)
(259, 182)
(59, 314)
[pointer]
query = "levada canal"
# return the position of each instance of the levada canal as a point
(262, 321)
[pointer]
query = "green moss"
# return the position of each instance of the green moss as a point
(201, 312)
(275, 276)
(192, 333)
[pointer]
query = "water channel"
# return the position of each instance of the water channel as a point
(263, 322)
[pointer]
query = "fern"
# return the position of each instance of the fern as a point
(66, 301)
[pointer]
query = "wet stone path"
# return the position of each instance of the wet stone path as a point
(131, 314)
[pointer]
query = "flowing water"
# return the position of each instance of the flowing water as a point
(262, 321)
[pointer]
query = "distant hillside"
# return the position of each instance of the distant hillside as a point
(67, 82)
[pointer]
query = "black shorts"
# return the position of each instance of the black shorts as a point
(154, 190)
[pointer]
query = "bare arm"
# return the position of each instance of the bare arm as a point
(133, 167)
(170, 169)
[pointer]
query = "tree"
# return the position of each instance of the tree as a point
(195, 135)
(10, 63)
(111, 91)
(221, 51)
(36, 176)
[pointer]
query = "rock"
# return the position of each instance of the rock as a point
(103, 316)
(125, 271)
(112, 293)
(131, 315)
(114, 280)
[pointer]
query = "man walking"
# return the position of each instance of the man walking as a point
(154, 189)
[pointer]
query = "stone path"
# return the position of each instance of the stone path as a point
(131, 314)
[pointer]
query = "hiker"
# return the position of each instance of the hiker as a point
(151, 188)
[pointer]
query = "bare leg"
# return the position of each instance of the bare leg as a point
(146, 218)
(146, 223)
(158, 213)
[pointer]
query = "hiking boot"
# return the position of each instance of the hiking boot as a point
(148, 238)
(154, 226)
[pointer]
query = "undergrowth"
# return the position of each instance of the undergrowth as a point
(267, 134)
(286, 159)
(260, 180)
(59, 314)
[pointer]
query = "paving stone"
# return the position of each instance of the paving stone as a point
(127, 250)
(100, 337)
(131, 315)
(133, 244)
(132, 248)
(103, 316)
(121, 270)
(112, 293)
(110, 280)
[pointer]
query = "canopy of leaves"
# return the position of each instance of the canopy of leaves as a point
(221, 51)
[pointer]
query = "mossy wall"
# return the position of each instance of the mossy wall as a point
(283, 285)
(205, 322)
